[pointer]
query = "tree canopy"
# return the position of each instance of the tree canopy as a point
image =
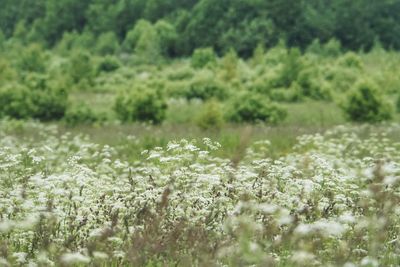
(223, 24)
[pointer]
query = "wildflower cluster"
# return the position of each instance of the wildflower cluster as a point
(332, 201)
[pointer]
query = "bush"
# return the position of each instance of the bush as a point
(107, 43)
(167, 36)
(38, 98)
(32, 59)
(82, 114)
(332, 48)
(75, 41)
(229, 64)
(81, 67)
(366, 104)
(202, 57)
(211, 117)
(292, 66)
(292, 94)
(108, 64)
(15, 102)
(141, 104)
(49, 97)
(7, 73)
(398, 104)
(205, 86)
(350, 60)
(133, 36)
(253, 107)
(312, 84)
(148, 48)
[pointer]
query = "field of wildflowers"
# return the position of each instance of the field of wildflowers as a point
(331, 201)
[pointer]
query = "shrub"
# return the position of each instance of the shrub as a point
(350, 60)
(108, 64)
(291, 68)
(38, 98)
(167, 36)
(141, 104)
(107, 43)
(202, 57)
(258, 57)
(205, 86)
(292, 94)
(253, 107)
(211, 116)
(15, 101)
(312, 84)
(32, 59)
(81, 67)
(75, 41)
(133, 36)
(229, 64)
(398, 104)
(366, 104)
(332, 48)
(49, 97)
(181, 74)
(148, 47)
(82, 114)
(7, 73)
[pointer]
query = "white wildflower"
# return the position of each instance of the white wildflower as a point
(20, 257)
(74, 258)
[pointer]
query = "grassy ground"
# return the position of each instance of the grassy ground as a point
(303, 118)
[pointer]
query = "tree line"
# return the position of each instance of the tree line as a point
(222, 24)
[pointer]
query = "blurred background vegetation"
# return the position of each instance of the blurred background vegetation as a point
(200, 67)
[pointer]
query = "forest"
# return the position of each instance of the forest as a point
(199, 133)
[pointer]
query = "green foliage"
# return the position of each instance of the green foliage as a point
(247, 34)
(258, 57)
(350, 60)
(148, 47)
(133, 36)
(292, 94)
(211, 117)
(107, 43)
(20, 32)
(2, 40)
(48, 96)
(141, 103)
(108, 64)
(149, 42)
(398, 104)
(253, 107)
(32, 59)
(312, 85)
(75, 41)
(229, 64)
(15, 101)
(202, 57)
(365, 103)
(237, 24)
(82, 114)
(205, 86)
(167, 36)
(292, 66)
(38, 98)
(7, 73)
(332, 48)
(81, 67)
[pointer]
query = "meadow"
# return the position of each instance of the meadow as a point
(182, 139)
(331, 200)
